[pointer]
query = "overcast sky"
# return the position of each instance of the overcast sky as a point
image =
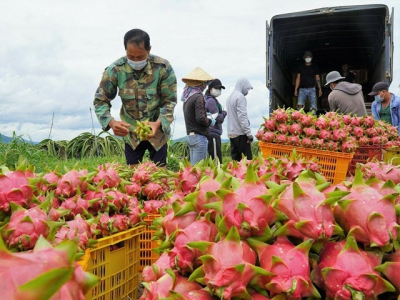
(53, 53)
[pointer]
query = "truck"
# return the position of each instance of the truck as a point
(360, 35)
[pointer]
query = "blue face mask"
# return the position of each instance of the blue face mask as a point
(378, 98)
(137, 65)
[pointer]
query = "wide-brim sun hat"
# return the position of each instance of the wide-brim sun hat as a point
(197, 75)
(333, 76)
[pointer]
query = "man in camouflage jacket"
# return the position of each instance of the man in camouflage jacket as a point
(147, 86)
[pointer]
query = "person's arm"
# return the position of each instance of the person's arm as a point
(168, 101)
(106, 92)
(332, 106)
(244, 122)
(374, 112)
(200, 110)
(296, 88)
(318, 80)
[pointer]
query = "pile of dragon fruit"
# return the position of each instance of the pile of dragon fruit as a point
(263, 229)
(332, 131)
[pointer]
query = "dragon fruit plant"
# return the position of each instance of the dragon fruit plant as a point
(47, 272)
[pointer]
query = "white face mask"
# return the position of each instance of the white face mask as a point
(137, 65)
(308, 59)
(215, 92)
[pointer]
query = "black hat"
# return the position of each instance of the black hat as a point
(216, 83)
(379, 86)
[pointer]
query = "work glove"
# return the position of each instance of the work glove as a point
(250, 138)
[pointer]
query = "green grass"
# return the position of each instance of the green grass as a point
(86, 151)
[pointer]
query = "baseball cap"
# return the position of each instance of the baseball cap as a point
(216, 83)
(379, 86)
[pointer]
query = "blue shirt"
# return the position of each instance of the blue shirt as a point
(394, 110)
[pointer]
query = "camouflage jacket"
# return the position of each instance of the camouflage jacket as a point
(148, 96)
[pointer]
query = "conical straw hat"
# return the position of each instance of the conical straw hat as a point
(197, 74)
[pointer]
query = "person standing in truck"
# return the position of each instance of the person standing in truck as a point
(306, 80)
(347, 74)
(215, 109)
(147, 86)
(345, 98)
(386, 106)
(238, 124)
(194, 112)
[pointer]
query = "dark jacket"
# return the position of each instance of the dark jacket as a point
(194, 112)
(213, 106)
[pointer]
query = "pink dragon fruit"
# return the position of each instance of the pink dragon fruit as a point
(310, 132)
(339, 135)
(187, 178)
(391, 268)
(270, 124)
(25, 227)
(117, 200)
(348, 147)
(133, 189)
(318, 144)
(281, 139)
(306, 142)
(295, 129)
(296, 115)
(364, 141)
(371, 132)
(268, 137)
(79, 229)
(368, 121)
(228, 266)
(68, 184)
(76, 206)
(259, 134)
(346, 119)
(334, 124)
(306, 120)
(358, 131)
(282, 128)
(321, 123)
(376, 140)
(169, 284)
(292, 168)
(44, 273)
(356, 121)
(156, 270)
(183, 258)
(308, 209)
(280, 115)
(346, 272)
(97, 199)
(153, 190)
(367, 215)
(247, 208)
(332, 146)
(294, 140)
(289, 268)
(141, 172)
(108, 175)
(381, 171)
(171, 223)
(325, 135)
(14, 187)
(153, 206)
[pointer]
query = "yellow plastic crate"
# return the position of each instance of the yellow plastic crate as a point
(392, 156)
(147, 255)
(83, 262)
(115, 260)
(333, 165)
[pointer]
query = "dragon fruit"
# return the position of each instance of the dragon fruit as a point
(107, 176)
(280, 115)
(306, 120)
(325, 135)
(157, 269)
(310, 132)
(307, 208)
(247, 208)
(348, 147)
(268, 137)
(187, 178)
(68, 184)
(25, 227)
(183, 258)
(306, 142)
(296, 115)
(367, 215)
(152, 190)
(153, 206)
(321, 123)
(295, 129)
(169, 284)
(391, 268)
(281, 139)
(76, 205)
(79, 229)
(15, 187)
(270, 124)
(44, 273)
(381, 171)
(117, 200)
(282, 128)
(294, 140)
(288, 266)
(228, 266)
(346, 272)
